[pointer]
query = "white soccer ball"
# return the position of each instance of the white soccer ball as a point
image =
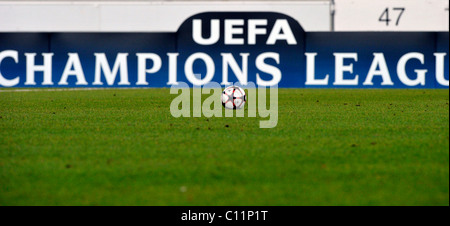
(233, 97)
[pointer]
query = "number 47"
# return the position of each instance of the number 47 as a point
(385, 15)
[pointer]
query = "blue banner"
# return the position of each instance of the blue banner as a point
(261, 47)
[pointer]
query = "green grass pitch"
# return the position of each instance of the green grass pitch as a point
(123, 147)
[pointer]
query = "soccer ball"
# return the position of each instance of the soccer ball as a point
(233, 97)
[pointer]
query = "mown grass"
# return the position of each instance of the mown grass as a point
(123, 147)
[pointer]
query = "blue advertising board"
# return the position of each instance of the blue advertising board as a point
(262, 47)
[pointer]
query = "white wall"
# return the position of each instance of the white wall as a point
(418, 15)
(142, 16)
